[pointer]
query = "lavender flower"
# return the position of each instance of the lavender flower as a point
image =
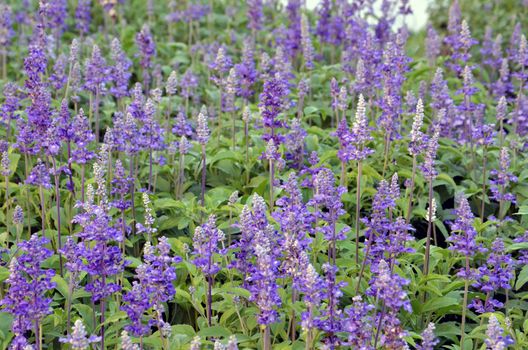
(494, 275)
(460, 41)
(188, 84)
(147, 228)
(96, 72)
(82, 137)
(5, 165)
(120, 70)
(196, 343)
(296, 223)
(428, 338)
(153, 288)
(147, 50)
(428, 166)
(39, 176)
(387, 287)
(331, 318)
(103, 259)
(272, 103)
(172, 84)
(501, 179)
(182, 127)
(83, 16)
(495, 338)
(255, 15)
(358, 324)
(263, 278)
(384, 235)
(312, 287)
(206, 241)
(353, 142)
(294, 143)
(417, 144)
(228, 102)
(54, 14)
(221, 65)
(18, 215)
(202, 130)
(360, 132)
(432, 44)
(126, 342)
(28, 283)
(327, 197)
(306, 42)
(59, 76)
(463, 237)
(11, 103)
(78, 338)
(246, 72)
(6, 28)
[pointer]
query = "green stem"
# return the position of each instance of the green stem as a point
(358, 207)
(411, 192)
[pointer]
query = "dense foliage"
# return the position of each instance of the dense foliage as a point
(253, 174)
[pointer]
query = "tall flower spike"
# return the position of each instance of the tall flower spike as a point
(83, 16)
(501, 179)
(463, 236)
(416, 145)
(232, 343)
(207, 242)
(96, 71)
(202, 130)
(495, 274)
(147, 228)
(428, 338)
(154, 286)
(272, 103)
(358, 324)
(126, 342)
(78, 338)
(28, 282)
(196, 343)
(360, 126)
(120, 71)
(172, 84)
(433, 210)
(18, 215)
(147, 50)
(39, 176)
(255, 14)
(6, 27)
(5, 165)
(306, 42)
(428, 167)
(388, 287)
(495, 338)
(433, 44)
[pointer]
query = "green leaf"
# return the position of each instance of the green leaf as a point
(522, 278)
(444, 178)
(439, 303)
(517, 246)
(61, 285)
(167, 203)
(183, 329)
(310, 110)
(4, 273)
(523, 210)
(87, 314)
(215, 331)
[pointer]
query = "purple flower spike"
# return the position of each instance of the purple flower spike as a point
(28, 283)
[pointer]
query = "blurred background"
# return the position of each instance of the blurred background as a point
(416, 21)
